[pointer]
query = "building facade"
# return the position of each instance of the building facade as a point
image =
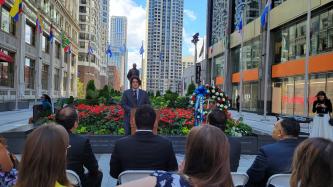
(31, 65)
(118, 42)
(286, 58)
(163, 45)
(94, 34)
(114, 77)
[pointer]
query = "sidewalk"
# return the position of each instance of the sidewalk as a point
(261, 125)
(13, 119)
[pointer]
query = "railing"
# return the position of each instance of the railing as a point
(7, 95)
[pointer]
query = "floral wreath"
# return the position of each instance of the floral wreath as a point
(211, 94)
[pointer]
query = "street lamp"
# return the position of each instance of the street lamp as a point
(195, 39)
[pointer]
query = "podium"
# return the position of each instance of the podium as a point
(133, 125)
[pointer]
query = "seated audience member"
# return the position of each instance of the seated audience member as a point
(43, 162)
(8, 166)
(206, 163)
(277, 157)
(312, 164)
(80, 154)
(143, 150)
(218, 119)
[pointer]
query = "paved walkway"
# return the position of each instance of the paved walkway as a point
(13, 119)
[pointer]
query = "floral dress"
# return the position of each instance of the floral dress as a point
(166, 179)
(8, 179)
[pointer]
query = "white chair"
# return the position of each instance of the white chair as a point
(131, 175)
(73, 178)
(279, 180)
(239, 179)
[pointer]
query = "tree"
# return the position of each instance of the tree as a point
(190, 89)
(80, 89)
(91, 92)
(105, 93)
(158, 93)
(171, 97)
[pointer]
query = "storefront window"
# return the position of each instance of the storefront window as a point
(299, 96)
(300, 40)
(29, 73)
(250, 96)
(317, 83)
(315, 34)
(285, 45)
(45, 76)
(235, 59)
(323, 37)
(45, 44)
(287, 96)
(7, 72)
(7, 23)
(29, 34)
(292, 42)
(57, 79)
(219, 63)
(277, 97)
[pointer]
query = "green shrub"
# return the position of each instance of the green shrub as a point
(160, 102)
(182, 102)
(158, 94)
(105, 92)
(190, 89)
(171, 97)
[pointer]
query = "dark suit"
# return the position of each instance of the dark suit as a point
(129, 101)
(235, 152)
(144, 151)
(80, 154)
(133, 72)
(272, 159)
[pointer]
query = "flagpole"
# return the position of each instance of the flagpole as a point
(241, 65)
(267, 59)
(307, 60)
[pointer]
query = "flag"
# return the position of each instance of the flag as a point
(67, 49)
(142, 50)
(65, 43)
(161, 56)
(39, 24)
(240, 25)
(90, 49)
(263, 17)
(16, 10)
(2, 2)
(51, 37)
(202, 48)
(109, 51)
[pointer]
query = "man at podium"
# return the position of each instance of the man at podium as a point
(133, 98)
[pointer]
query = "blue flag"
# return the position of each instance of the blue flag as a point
(90, 49)
(263, 17)
(240, 25)
(141, 50)
(109, 51)
(161, 56)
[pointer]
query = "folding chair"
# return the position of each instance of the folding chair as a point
(73, 178)
(131, 175)
(239, 179)
(279, 180)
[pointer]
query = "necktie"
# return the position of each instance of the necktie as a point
(135, 97)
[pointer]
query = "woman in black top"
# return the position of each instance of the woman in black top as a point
(323, 108)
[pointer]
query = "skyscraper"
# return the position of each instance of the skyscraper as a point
(118, 41)
(163, 53)
(93, 34)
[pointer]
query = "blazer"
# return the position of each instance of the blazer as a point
(128, 102)
(272, 159)
(144, 151)
(80, 154)
(234, 152)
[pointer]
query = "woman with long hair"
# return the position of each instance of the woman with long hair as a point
(323, 109)
(206, 163)
(8, 166)
(43, 161)
(312, 165)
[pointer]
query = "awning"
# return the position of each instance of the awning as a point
(5, 57)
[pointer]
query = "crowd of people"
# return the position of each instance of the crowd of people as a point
(210, 155)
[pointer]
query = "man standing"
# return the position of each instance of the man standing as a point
(133, 72)
(133, 98)
(277, 157)
(80, 153)
(143, 150)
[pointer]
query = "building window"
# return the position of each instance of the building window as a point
(29, 73)
(7, 23)
(65, 81)
(7, 72)
(29, 34)
(45, 44)
(72, 82)
(57, 50)
(45, 76)
(57, 79)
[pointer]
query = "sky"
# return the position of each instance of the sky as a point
(135, 11)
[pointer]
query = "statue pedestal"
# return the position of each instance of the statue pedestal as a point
(133, 125)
